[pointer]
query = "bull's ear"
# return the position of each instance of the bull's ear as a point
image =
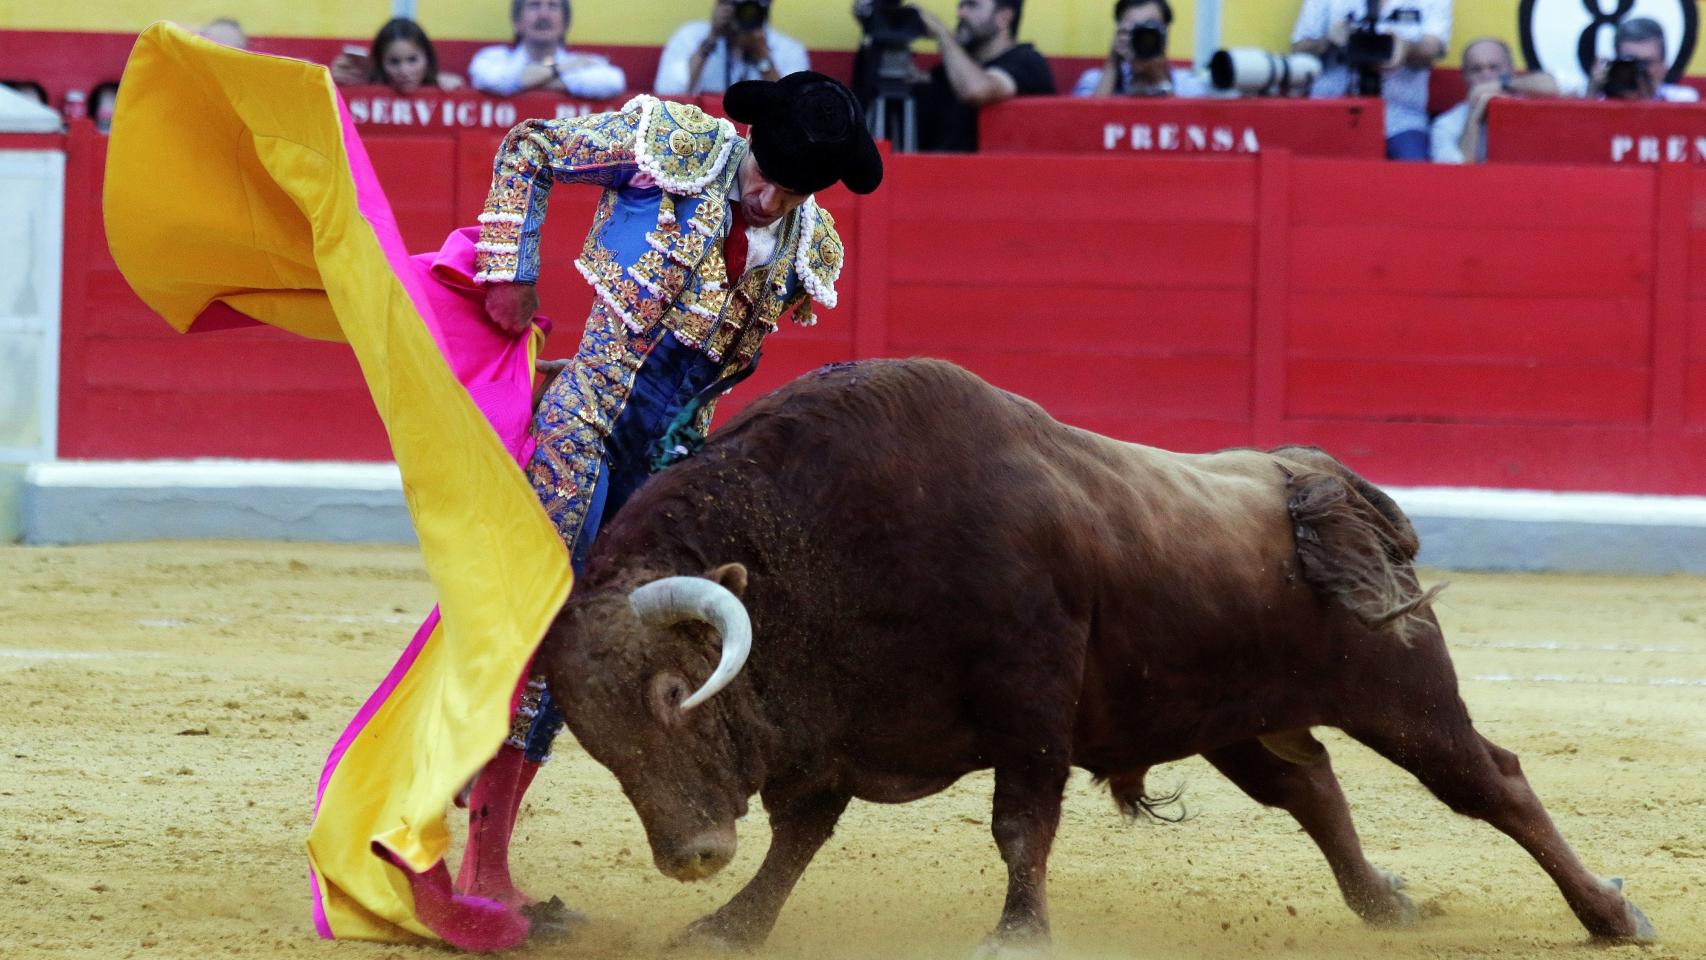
(731, 576)
(664, 693)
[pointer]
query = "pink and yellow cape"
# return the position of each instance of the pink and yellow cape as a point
(289, 228)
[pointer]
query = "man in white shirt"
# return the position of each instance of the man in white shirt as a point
(1489, 72)
(540, 60)
(736, 44)
(1133, 69)
(1420, 32)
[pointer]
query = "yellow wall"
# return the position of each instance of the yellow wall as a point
(290, 18)
(1060, 27)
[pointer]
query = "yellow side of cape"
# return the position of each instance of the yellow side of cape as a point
(228, 180)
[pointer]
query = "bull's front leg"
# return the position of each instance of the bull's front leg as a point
(1026, 815)
(797, 832)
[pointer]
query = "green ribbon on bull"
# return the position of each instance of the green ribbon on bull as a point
(681, 439)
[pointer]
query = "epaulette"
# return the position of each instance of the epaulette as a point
(679, 145)
(821, 255)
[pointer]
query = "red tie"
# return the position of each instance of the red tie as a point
(734, 249)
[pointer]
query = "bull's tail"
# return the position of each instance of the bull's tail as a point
(1134, 801)
(1354, 553)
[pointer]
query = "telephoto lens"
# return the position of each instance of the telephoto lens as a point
(1258, 73)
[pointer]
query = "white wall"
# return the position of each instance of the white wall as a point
(32, 215)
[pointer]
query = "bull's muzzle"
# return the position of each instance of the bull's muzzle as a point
(698, 858)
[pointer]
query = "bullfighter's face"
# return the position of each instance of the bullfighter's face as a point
(763, 201)
(621, 684)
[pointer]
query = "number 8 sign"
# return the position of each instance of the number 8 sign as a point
(1565, 37)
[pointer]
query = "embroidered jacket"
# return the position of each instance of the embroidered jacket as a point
(654, 254)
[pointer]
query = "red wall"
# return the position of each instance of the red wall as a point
(1514, 326)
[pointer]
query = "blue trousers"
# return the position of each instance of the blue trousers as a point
(671, 378)
(1411, 145)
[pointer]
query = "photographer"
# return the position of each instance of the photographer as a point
(981, 64)
(1642, 64)
(736, 44)
(1137, 62)
(1391, 45)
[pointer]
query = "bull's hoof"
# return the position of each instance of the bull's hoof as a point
(553, 920)
(1643, 928)
(1624, 922)
(1633, 925)
(1014, 945)
(1387, 905)
(716, 934)
(1645, 932)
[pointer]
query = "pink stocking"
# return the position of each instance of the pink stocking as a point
(467, 923)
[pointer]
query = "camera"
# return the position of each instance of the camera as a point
(1258, 73)
(1369, 48)
(1148, 41)
(894, 23)
(1367, 52)
(892, 111)
(751, 15)
(1626, 79)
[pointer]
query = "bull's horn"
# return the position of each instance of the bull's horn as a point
(672, 600)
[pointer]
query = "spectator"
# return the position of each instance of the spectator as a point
(540, 59)
(1642, 41)
(1489, 71)
(736, 44)
(225, 31)
(102, 101)
(401, 58)
(982, 63)
(1136, 72)
(1420, 31)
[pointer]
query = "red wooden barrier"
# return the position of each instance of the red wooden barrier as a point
(1328, 128)
(1598, 132)
(131, 387)
(383, 111)
(1522, 326)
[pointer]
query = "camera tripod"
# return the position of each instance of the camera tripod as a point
(893, 113)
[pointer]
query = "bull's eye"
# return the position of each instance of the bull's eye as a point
(665, 692)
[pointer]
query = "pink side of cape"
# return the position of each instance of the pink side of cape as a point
(493, 366)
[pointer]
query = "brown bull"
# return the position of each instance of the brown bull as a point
(940, 578)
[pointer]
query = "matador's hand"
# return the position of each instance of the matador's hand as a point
(551, 370)
(511, 306)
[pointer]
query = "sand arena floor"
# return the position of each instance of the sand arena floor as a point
(167, 708)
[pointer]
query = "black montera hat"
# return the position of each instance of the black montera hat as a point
(807, 132)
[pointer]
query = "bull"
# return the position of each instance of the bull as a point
(941, 578)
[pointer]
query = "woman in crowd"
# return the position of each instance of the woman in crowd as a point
(401, 58)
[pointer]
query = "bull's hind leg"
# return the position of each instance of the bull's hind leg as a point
(797, 832)
(1476, 778)
(1310, 793)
